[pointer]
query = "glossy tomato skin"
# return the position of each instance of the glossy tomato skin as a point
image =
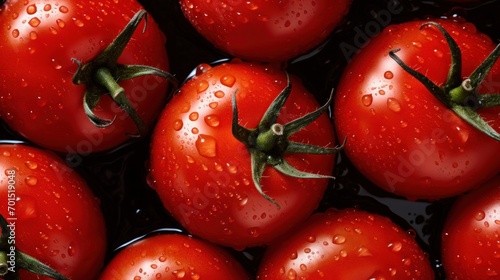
(173, 256)
(265, 30)
(40, 39)
(202, 172)
(58, 219)
(346, 244)
(399, 135)
(471, 235)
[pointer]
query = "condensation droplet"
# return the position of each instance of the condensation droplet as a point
(60, 23)
(479, 216)
(178, 124)
(202, 86)
(338, 239)
(63, 9)
(212, 120)
(213, 105)
(367, 99)
(206, 145)
(193, 116)
(72, 249)
(31, 165)
(31, 181)
(395, 246)
(393, 104)
(228, 80)
(15, 33)
(34, 22)
(47, 7)
(388, 75)
(219, 94)
(31, 9)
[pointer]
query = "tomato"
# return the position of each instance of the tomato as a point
(49, 80)
(265, 30)
(217, 174)
(173, 256)
(346, 244)
(51, 212)
(409, 137)
(471, 235)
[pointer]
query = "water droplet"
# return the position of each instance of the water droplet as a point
(254, 232)
(219, 94)
(395, 246)
(367, 99)
(34, 22)
(72, 249)
(178, 124)
(15, 33)
(202, 68)
(212, 120)
(388, 75)
(206, 145)
(31, 9)
(193, 116)
(31, 165)
(47, 7)
(393, 104)
(213, 105)
(33, 35)
(27, 207)
(202, 86)
(60, 23)
(180, 273)
(30, 180)
(479, 216)
(63, 9)
(79, 23)
(228, 80)
(194, 130)
(338, 239)
(438, 53)
(292, 274)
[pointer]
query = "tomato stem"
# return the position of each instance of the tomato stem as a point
(460, 95)
(268, 143)
(102, 75)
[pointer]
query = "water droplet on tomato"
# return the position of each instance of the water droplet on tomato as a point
(291, 274)
(47, 7)
(31, 165)
(31, 9)
(179, 273)
(33, 35)
(388, 75)
(202, 86)
(72, 249)
(438, 53)
(193, 116)
(34, 22)
(338, 239)
(212, 120)
(254, 232)
(367, 99)
(213, 105)
(479, 216)
(194, 130)
(26, 207)
(31, 181)
(206, 145)
(395, 246)
(228, 80)
(63, 9)
(15, 33)
(393, 104)
(178, 124)
(60, 23)
(219, 94)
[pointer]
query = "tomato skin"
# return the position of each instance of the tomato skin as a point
(399, 135)
(208, 187)
(40, 38)
(471, 234)
(173, 256)
(265, 30)
(59, 221)
(346, 244)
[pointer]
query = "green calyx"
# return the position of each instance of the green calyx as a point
(102, 75)
(268, 143)
(460, 95)
(11, 259)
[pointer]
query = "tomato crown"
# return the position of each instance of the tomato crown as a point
(461, 95)
(102, 74)
(22, 260)
(268, 143)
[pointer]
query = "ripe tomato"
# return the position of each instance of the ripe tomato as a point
(265, 30)
(43, 43)
(346, 244)
(173, 256)
(471, 236)
(400, 135)
(215, 184)
(52, 214)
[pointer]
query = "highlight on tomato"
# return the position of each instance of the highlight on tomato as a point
(242, 153)
(261, 30)
(419, 108)
(51, 222)
(91, 74)
(173, 256)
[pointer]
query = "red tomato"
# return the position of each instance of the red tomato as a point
(471, 236)
(265, 30)
(346, 244)
(400, 136)
(54, 217)
(173, 256)
(203, 173)
(41, 42)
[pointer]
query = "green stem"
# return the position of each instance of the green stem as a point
(106, 79)
(462, 92)
(4, 268)
(267, 141)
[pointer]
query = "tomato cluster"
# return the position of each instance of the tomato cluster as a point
(193, 139)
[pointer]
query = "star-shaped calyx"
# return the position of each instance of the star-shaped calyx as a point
(268, 142)
(102, 74)
(460, 95)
